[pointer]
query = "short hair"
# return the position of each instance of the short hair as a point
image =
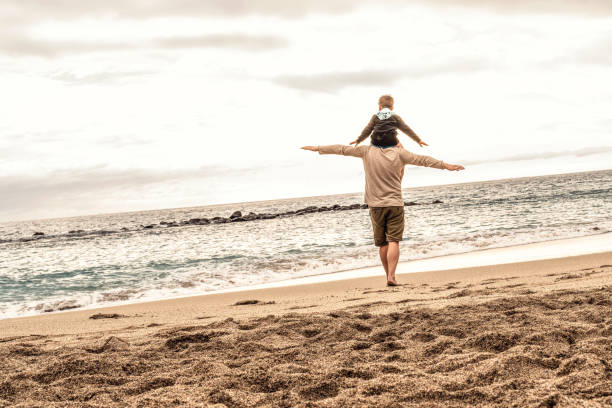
(386, 101)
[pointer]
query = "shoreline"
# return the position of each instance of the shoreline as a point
(562, 247)
(283, 298)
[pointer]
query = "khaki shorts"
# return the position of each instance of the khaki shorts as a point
(388, 224)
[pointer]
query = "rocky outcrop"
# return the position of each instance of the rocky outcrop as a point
(236, 216)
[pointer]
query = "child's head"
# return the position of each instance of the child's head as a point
(385, 101)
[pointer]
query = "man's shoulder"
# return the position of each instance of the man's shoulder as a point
(375, 150)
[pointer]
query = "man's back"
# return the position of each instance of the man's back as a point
(383, 170)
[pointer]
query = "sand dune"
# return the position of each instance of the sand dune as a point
(499, 341)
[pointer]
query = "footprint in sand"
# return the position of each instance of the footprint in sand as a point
(302, 307)
(252, 302)
(106, 316)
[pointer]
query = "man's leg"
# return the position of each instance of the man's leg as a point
(383, 258)
(394, 234)
(377, 216)
(392, 259)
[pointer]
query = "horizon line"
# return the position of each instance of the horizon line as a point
(298, 197)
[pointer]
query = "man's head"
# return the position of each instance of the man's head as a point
(385, 101)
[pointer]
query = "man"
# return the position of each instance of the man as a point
(383, 193)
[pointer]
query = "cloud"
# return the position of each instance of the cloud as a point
(334, 81)
(594, 8)
(101, 178)
(19, 11)
(16, 16)
(236, 41)
(598, 54)
(23, 194)
(21, 45)
(18, 44)
(588, 151)
(99, 78)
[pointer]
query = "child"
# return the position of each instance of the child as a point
(383, 126)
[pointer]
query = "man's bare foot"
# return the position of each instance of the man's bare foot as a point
(392, 283)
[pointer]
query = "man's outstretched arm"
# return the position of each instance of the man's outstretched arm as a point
(426, 161)
(343, 150)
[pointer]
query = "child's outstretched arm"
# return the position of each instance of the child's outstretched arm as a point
(406, 129)
(365, 132)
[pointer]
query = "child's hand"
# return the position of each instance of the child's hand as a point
(355, 142)
(311, 148)
(422, 143)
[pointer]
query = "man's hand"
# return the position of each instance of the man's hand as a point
(355, 142)
(422, 143)
(453, 167)
(311, 148)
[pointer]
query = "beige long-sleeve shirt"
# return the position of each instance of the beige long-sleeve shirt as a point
(383, 170)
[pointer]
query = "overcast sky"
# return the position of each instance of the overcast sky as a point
(117, 105)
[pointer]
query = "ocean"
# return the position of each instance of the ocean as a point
(101, 260)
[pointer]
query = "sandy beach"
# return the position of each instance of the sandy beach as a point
(535, 333)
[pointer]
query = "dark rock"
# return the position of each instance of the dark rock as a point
(596, 228)
(335, 206)
(149, 226)
(436, 202)
(364, 206)
(219, 220)
(236, 214)
(409, 203)
(321, 209)
(105, 316)
(76, 231)
(38, 234)
(125, 229)
(268, 216)
(67, 307)
(238, 219)
(311, 208)
(247, 302)
(354, 206)
(199, 221)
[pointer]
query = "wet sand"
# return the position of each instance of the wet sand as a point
(534, 333)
